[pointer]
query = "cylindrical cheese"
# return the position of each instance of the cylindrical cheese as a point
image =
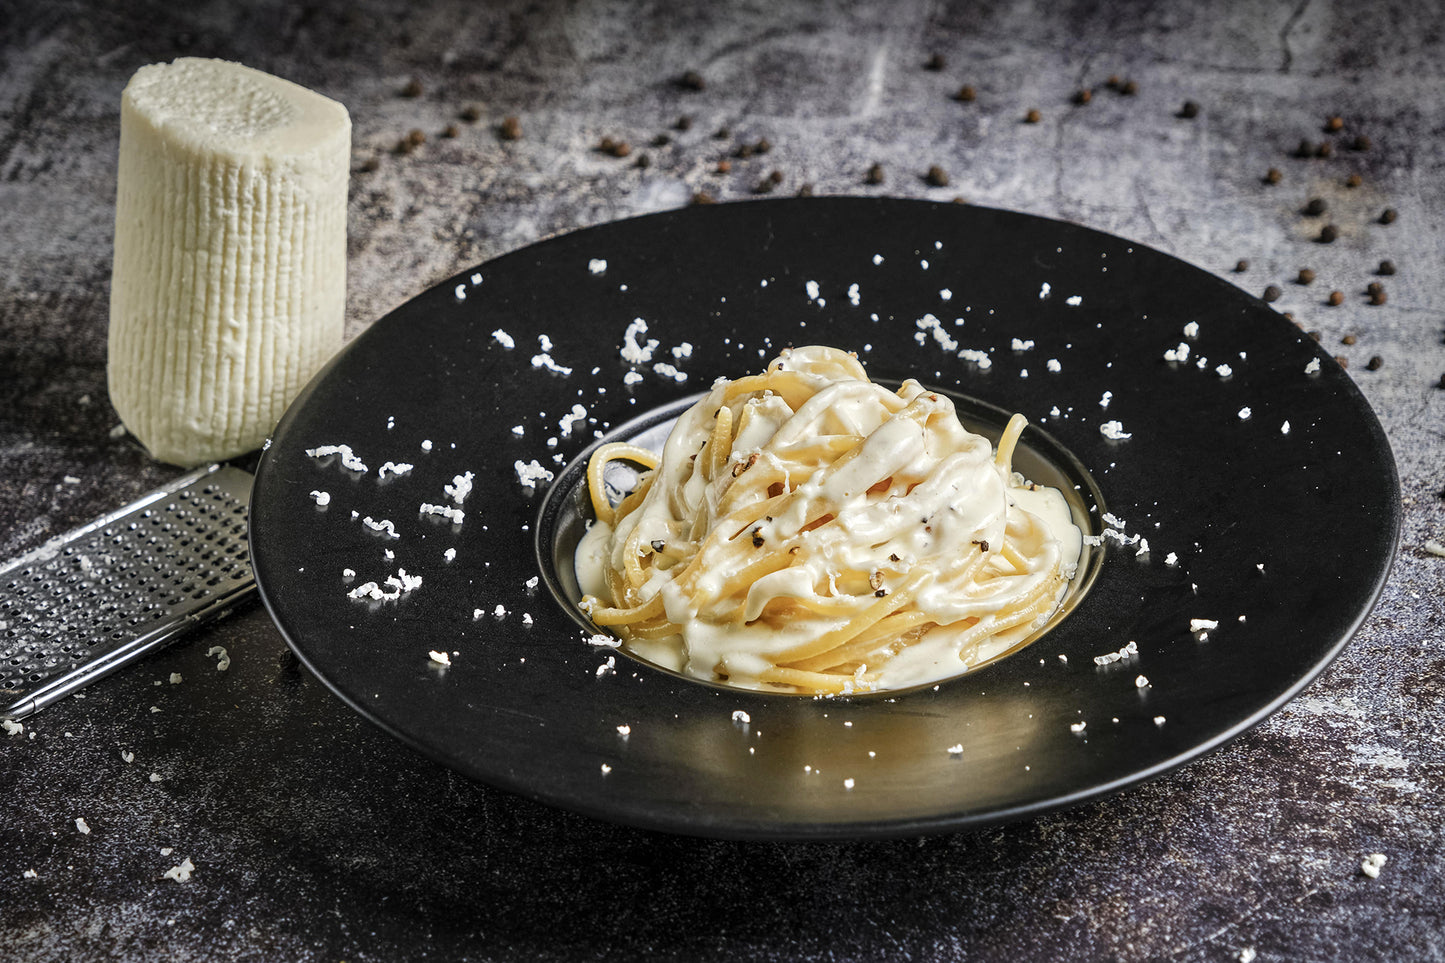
(229, 283)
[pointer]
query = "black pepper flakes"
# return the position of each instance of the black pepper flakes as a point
(1273, 176)
(764, 186)
(661, 140)
(413, 88)
(1306, 276)
(510, 129)
(1033, 117)
(936, 176)
(722, 133)
(1113, 82)
(743, 151)
(691, 80)
(471, 113)
(682, 123)
(643, 162)
(874, 175)
(1335, 299)
(1325, 149)
(451, 130)
(1388, 215)
(1082, 96)
(1315, 206)
(370, 164)
(763, 145)
(966, 94)
(1329, 234)
(1272, 293)
(1386, 268)
(1129, 88)
(1375, 363)
(1189, 110)
(1305, 149)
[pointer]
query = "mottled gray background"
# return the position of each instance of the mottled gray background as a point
(315, 837)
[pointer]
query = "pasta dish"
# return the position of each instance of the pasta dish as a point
(808, 530)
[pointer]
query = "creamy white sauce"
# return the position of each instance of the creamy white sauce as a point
(946, 500)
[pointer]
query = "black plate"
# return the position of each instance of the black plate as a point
(1284, 538)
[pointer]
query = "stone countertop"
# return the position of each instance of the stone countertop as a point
(314, 836)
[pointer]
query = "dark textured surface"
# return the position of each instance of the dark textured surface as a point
(316, 837)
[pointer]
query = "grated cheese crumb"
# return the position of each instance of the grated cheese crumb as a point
(1245, 413)
(597, 265)
(82, 825)
(440, 658)
(503, 338)
(603, 640)
(1141, 682)
(1435, 548)
(223, 661)
(1179, 354)
(633, 351)
(394, 468)
(11, 727)
(741, 718)
(1053, 365)
(1202, 625)
(1159, 720)
(1020, 345)
(1114, 431)
(1074, 301)
(1313, 367)
(956, 749)
(1372, 865)
(1078, 726)
(384, 527)
(175, 678)
(30, 874)
(1191, 330)
(1171, 559)
(530, 473)
(155, 777)
(624, 731)
(127, 756)
(349, 460)
(180, 873)
(322, 498)
(1284, 428)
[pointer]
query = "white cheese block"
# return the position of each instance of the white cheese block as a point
(229, 282)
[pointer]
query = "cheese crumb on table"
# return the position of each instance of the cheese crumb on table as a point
(1114, 431)
(1372, 864)
(440, 658)
(181, 873)
(82, 825)
(223, 661)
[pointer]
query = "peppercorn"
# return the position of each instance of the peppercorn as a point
(1272, 293)
(724, 166)
(1305, 149)
(1306, 276)
(1348, 339)
(1315, 207)
(1326, 149)
(1378, 298)
(682, 123)
(1273, 176)
(413, 88)
(1033, 117)
(1375, 363)
(370, 164)
(936, 176)
(874, 175)
(1241, 266)
(1386, 268)
(510, 129)
(1129, 89)
(703, 197)
(1328, 234)
(935, 62)
(1334, 124)
(805, 190)
(1342, 361)
(1361, 142)
(691, 80)
(1189, 111)
(1388, 215)
(966, 94)
(471, 113)
(1354, 180)
(451, 130)
(1336, 299)
(1082, 97)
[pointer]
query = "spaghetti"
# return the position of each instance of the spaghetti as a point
(808, 530)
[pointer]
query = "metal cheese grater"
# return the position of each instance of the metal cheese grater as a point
(100, 597)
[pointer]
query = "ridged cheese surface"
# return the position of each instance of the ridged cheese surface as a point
(229, 282)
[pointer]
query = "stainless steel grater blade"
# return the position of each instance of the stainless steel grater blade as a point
(97, 598)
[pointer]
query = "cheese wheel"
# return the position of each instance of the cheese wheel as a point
(229, 283)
